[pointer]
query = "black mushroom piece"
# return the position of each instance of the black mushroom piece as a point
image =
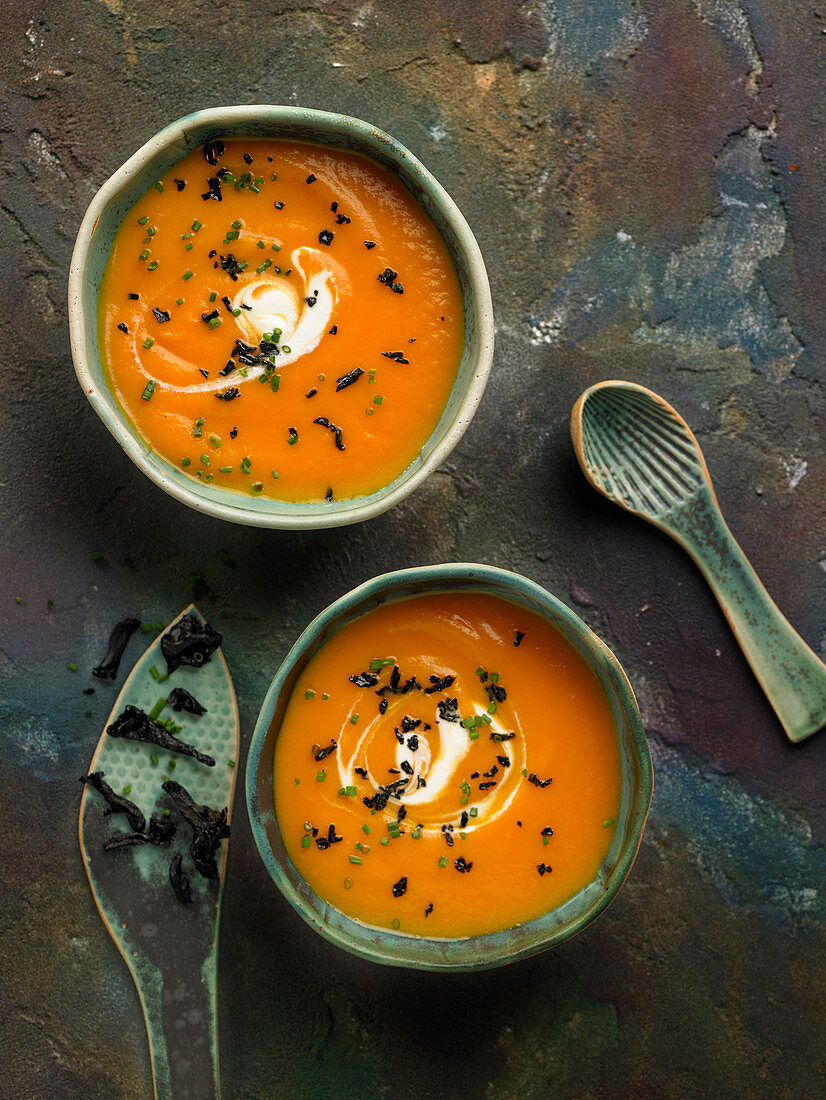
(180, 699)
(117, 803)
(122, 632)
(209, 828)
(135, 725)
(189, 642)
(161, 831)
(178, 880)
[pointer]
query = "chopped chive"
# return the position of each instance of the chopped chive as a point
(274, 473)
(158, 707)
(463, 800)
(286, 349)
(474, 811)
(143, 220)
(384, 841)
(153, 756)
(350, 792)
(492, 708)
(153, 672)
(186, 461)
(205, 459)
(609, 821)
(153, 266)
(179, 301)
(158, 186)
(148, 390)
(224, 469)
(354, 719)
(260, 244)
(443, 861)
(151, 231)
(72, 667)
(473, 735)
(144, 255)
(188, 247)
(377, 399)
(196, 225)
(127, 789)
(366, 829)
(215, 441)
(185, 236)
(236, 224)
(197, 431)
(356, 859)
(320, 776)
(275, 383)
(213, 322)
(187, 275)
(371, 376)
(306, 841)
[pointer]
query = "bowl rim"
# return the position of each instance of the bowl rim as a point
(472, 952)
(373, 141)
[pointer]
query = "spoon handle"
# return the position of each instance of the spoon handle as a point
(180, 1016)
(791, 675)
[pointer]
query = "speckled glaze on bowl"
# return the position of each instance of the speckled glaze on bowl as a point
(132, 180)
(473, 952)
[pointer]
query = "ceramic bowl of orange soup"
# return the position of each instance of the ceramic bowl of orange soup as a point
(449, 771)
(280, 315)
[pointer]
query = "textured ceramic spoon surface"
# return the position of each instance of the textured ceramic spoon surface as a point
(170, 947)
(639, 452)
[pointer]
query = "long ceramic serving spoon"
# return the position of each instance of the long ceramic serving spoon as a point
(640, 453)
(161, 911)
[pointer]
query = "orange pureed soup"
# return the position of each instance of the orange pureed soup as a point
(281, 318)
(447, 765)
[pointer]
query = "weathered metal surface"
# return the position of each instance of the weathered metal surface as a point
(646, 183)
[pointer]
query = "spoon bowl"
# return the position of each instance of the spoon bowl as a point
(639, 452)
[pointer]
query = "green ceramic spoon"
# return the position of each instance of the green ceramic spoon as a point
(171, 948)
(637, 451)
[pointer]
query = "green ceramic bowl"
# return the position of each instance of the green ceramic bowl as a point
(475, 952)
(132, 180)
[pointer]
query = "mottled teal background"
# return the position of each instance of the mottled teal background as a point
(646, 181)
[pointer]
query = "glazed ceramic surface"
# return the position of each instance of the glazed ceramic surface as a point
(170, 948)
(131, 181)
(477, 952)
(639, 452)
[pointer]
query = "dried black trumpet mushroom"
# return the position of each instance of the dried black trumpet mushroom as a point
(181, 699)
(135, 725)
(117, 803)
(123, 631)
(161, 831)
(189, 642)
(449, 710)
(179, 882)
(209, 828)
(212, 150)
